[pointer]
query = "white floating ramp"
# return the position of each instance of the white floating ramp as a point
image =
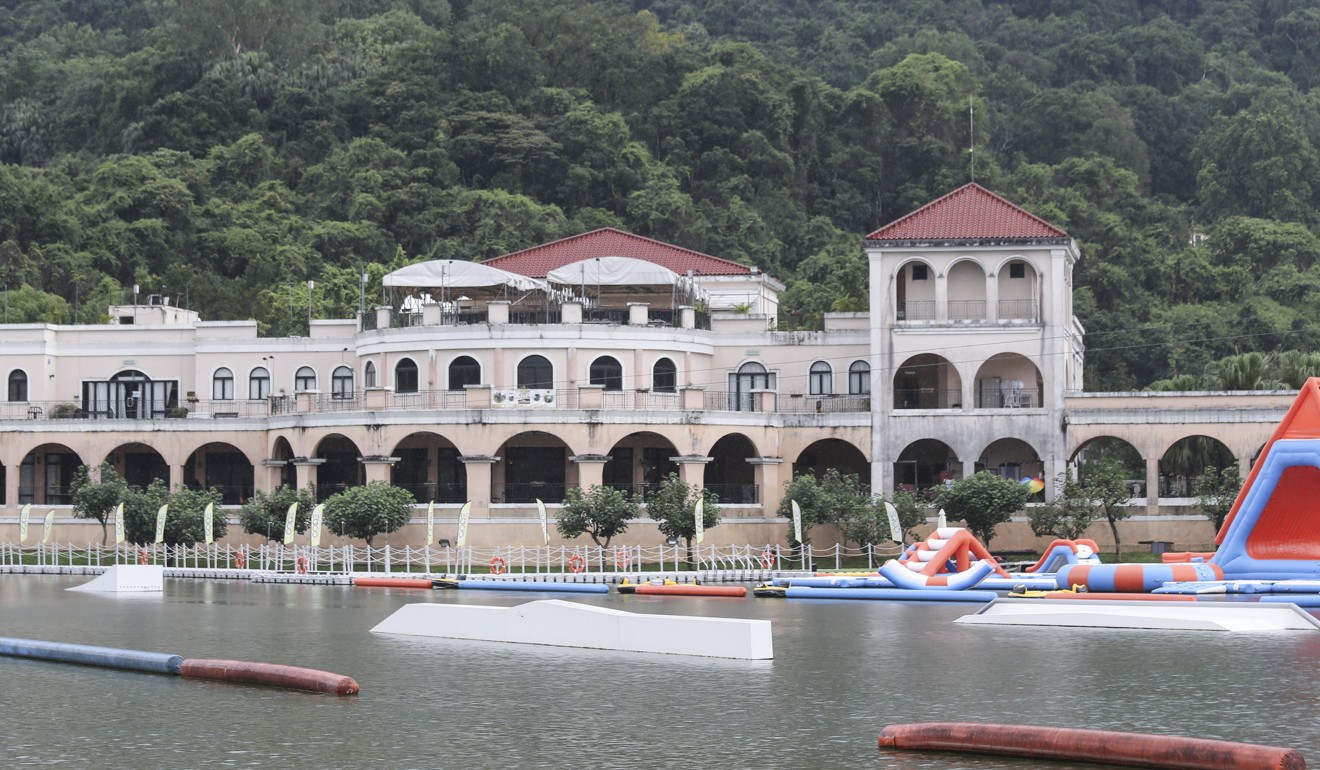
(1199, 616)
(127, 578)
(566, 624)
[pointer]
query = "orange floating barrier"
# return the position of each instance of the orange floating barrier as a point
(1185, 557)
(1099, 746)
(686, 589)
(1131, 597)
(269, 674)
(393, 582)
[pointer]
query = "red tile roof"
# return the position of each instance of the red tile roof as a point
(609, 242)
(969, 213)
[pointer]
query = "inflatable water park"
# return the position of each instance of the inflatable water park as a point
(1267, 551)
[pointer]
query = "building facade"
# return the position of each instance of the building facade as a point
(608, 358)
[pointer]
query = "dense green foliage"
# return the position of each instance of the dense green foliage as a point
(842, 500)
(982, 501)
(363, 512)
(225, 164)
(97, 498)
(673, 504)
(600, 512)
(1215, 490)
(184, 522)
(265, 514)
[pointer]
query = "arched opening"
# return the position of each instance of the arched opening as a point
(925, 464)
(1008, 381)
(369, 374)
(914, 293)
(222, 384)
(927, 381)
(820, 379)
(1188, 458)
(536, 373)
(304, 379)
(464, 371)
(639, 462)
(341, 383)
(729, 475)
(45, 475)
(966, 292)
(282, 454)
(607, 372)
(405, 376)
(259, 384)
(821, 456)
(132, 395)
(18, 385)
(430, 467)
(1018, 285)
(221, 467)
(664, 376)
(1108, 449)
(139, 465)
(1014, 459)
(859, 378)
(533, 466)
(750, 377)
(342, 467)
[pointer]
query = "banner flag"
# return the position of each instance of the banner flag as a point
(430, 523)
(545, 532)
(290, 524)
(895, 530)
(797, 521)
(50, 524)
(23, 516)
(208, 524)
(119, 524)
(463, 522)
(699, 516)
(318, 514)
(160, 523)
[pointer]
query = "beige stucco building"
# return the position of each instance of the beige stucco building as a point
(577, 363)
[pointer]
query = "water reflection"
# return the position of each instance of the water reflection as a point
(842, 670)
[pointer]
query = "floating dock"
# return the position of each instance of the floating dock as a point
(1190, 616)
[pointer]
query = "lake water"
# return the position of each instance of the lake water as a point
(841, 672)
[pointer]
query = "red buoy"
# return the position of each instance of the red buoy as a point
(689, 589)
(269, 674)
(1099, 746)
(369, 582)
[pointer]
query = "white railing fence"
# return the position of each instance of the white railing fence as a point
(521, 560)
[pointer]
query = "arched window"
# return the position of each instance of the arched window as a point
(405, 376)
(859, 378)
(341, 382)
(607, 371)
(18, 386)
(304, 379)
(749, 377)
(222, 385)
(536, 372)
(369, 375)
(821, 381)
(258, 384)
(664, 376)
(464, 371)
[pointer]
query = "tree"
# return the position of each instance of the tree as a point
(1216, 491)
(834, 498)
(265, 514)
(1070, 515)
(674, 505)
(982, 501)
(600, 512)
(1104, 482)
(184, 523)
(96, 499)
(367, 511)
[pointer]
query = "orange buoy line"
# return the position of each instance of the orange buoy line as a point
(688, 589)
(368, 582)
(1120, 596)
(1100, 746)
(269, 674)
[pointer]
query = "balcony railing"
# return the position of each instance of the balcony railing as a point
(918, 310)
(927, 398)
(440, 493)
(968, 310)
(428, 399)
(1019, 310)
(1007, 399)
(819, 404)
(545, 491)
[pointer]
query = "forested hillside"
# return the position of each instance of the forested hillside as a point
(226, 151)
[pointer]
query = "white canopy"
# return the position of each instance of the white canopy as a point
(613, 271)
(458, 274)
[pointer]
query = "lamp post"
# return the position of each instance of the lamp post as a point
(310, 285)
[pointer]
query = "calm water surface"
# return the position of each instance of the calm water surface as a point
(842, 671)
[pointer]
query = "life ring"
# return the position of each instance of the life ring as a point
(142, 556)
(240, 560)
(576, 563)
(497, 565)
(302, 565)
(767, 559)
(622, 558)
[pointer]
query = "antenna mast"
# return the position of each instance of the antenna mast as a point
(971, 138)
